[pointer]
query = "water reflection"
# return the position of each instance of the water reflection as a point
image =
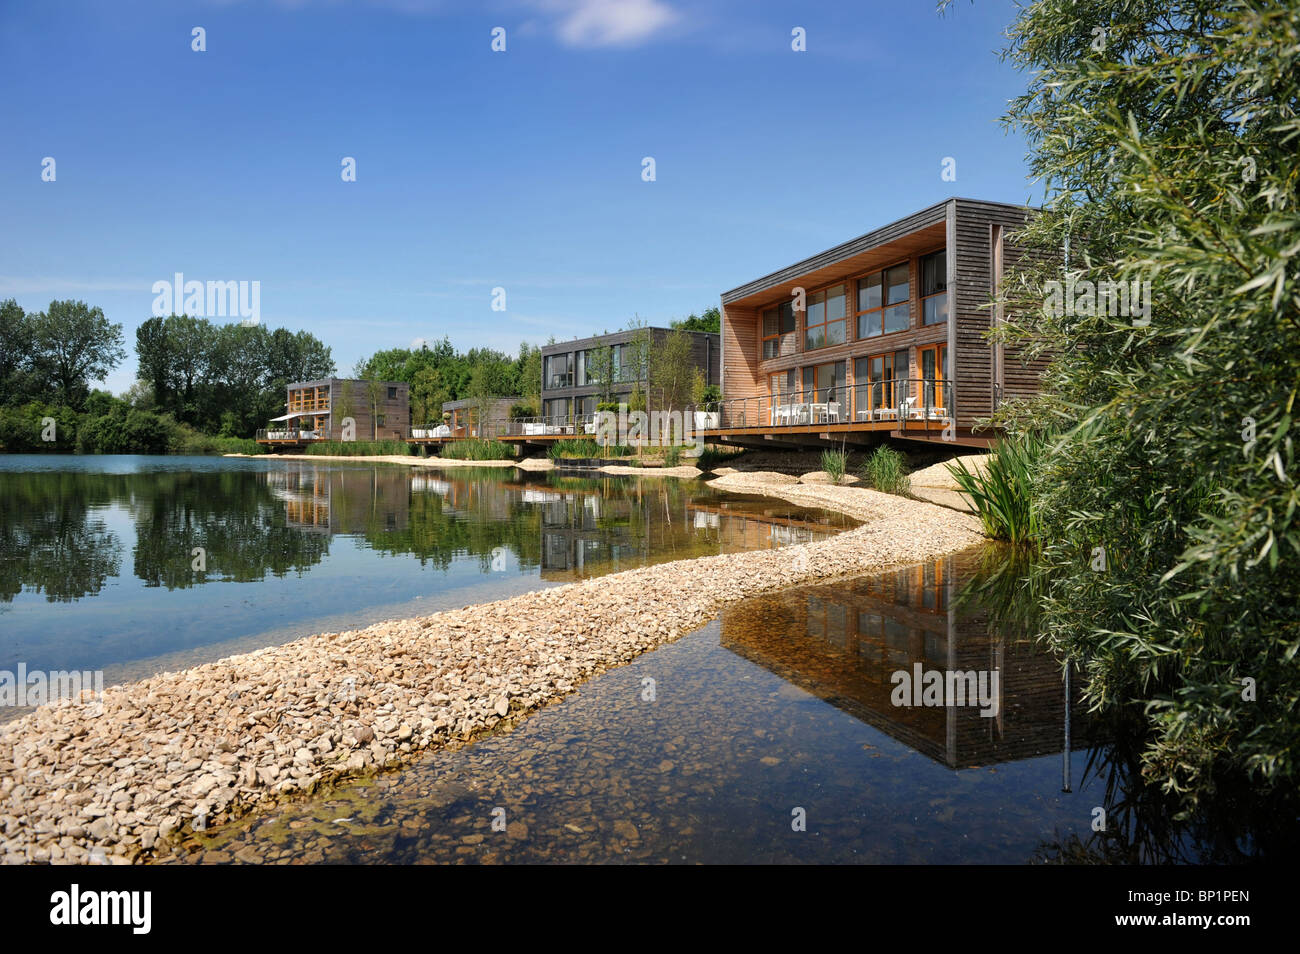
(783, 703)
(104, 560)
(845, 643)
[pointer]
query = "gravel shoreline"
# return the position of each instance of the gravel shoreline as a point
(214, 742)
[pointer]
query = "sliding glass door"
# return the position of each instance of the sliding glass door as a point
(878, 382)
(934, 375)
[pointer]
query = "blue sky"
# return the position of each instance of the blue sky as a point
(477, 169)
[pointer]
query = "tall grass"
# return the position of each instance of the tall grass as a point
(1003, 495)
(361, 449)
(582, 447)
(586, 448)
(835, 463)
(886, 471)
(475, 448)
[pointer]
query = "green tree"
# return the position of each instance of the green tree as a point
(75, 344)
(1170, 507)
(155, 361)
(711, 320)
(672, 372)
(15, 352)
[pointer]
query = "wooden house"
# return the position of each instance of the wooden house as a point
(881, 335)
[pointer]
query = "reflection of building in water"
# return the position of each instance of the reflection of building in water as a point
(844, 642)
(582, 531)
(429, 485)
(341, 500)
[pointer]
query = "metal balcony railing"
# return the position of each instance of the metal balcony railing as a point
(903, 400)
(290, 434)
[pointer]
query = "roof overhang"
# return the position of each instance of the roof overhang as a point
(921, 232)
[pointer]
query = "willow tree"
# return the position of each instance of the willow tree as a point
(1166, 134)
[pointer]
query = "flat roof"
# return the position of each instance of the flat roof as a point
(320, 381)
(915, 222)
(466, 402)
(577, 344)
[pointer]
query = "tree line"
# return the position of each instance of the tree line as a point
(224, 379)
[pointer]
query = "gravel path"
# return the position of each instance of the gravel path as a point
(210, 743)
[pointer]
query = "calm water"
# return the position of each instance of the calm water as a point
(98, 554)
(783, 704)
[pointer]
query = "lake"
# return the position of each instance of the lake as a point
(134, 565)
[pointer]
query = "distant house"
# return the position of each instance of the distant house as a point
(570, 390)
(473, 417)
(315, 411)
(882, 335)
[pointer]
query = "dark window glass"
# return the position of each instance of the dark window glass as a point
(869, 292)
(934, 273)
(934, 285)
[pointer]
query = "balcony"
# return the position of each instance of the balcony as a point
(900, 401)
(289, 435)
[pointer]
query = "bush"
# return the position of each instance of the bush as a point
(21, 428)
(475, 448)
(886, 471)
(1003, 494)
(125, 430)
(672, 456)
(186, 440)
(835, 463)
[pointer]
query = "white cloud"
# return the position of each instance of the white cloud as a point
(596, 23)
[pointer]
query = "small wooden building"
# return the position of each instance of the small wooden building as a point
(320, 411)
(477, 417)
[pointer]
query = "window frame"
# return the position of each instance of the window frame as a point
(941, 293)
(764, 338)
(890, 381)
(548, 374)
(826, 321)
(860, 314)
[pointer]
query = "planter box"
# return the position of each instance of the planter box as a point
(708, 420)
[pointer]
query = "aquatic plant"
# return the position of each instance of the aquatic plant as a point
(886, 471)
(1002, 491)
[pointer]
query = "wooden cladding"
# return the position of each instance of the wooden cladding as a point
(939, 263)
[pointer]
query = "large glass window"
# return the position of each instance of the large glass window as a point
(878, 381)
(778, 322)
(580, 371)
(556, 410)
(934, 288)
(933, 362)
(884, 302)
(625, 369)
(824, 384)
(824, 325)
(557, 373)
